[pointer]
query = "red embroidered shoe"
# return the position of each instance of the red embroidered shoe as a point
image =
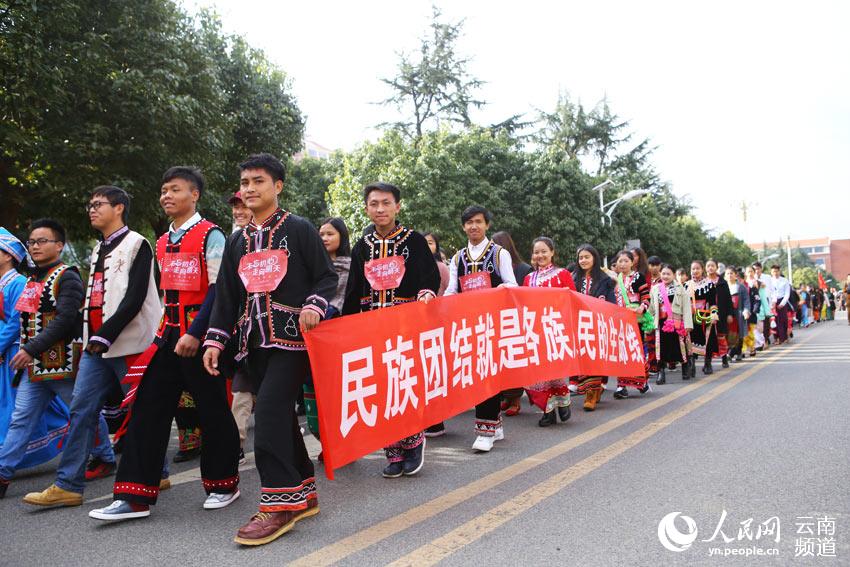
(265, 527)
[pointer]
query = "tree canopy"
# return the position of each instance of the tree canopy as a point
(95, 93)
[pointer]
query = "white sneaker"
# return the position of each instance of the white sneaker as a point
(500, 434)
(483, 443)
(119, 510)
(218, 500)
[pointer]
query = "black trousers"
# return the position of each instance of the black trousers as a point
(286, 471)
(146, 440)
(188, 423)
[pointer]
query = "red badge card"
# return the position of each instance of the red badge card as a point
(96, 297)
(263, 271)
(30, 298)
(385, 273)
(475, 281)
(181, 271)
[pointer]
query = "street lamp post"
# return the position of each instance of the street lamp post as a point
(768, 257)
(607, 209)
(788, 249)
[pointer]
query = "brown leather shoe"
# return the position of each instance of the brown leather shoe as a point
(54, 496)
(591, 398)
(265, 527)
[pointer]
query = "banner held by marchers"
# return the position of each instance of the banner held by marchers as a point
(387, 374)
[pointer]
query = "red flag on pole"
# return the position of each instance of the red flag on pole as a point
(821, 283)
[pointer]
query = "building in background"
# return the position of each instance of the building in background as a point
(833, 255)
(313, 150)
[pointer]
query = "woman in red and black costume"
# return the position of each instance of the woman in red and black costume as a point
(590, 280)
(724, 309)
(276, 282)
(703, 292)
(549, 395)
(188, 256)
(637, 290)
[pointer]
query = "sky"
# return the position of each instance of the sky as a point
(748, 103)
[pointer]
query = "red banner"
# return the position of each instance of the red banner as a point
(387, 374)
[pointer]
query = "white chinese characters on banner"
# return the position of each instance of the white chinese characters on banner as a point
(586, 335)
(461, 348)
(400, 380)
(432, 350)
(518, 342)
(484, 363)
(557, 343)
(355, 391)
(449, 357)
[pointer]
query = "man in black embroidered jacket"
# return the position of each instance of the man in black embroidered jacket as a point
(276, 282)
(382, 243)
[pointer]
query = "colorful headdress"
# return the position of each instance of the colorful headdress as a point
(11, 245)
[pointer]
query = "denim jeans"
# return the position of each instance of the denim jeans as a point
(95, 378)
(31, 401)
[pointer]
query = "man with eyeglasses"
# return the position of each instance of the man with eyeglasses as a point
(121, 313)
(51, 343)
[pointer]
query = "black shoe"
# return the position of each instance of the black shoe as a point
(183, 456)
(739, 357)
(725, 361)
(547, 419)
(242, 459)
(662, 377)
(693, 367)
(621, 393)
(436, 430)
(413, 460)
(564, 413)
(706, 368)
(645, 388)
(4, 484)
(118, 446)
(394, 470)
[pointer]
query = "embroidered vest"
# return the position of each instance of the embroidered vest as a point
(180, 305)
(62, 359)
(487, 262)
(140, 331)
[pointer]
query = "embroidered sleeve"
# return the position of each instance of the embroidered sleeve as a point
(317, 304)
(425, 293)
(100, 340)
(216, 338)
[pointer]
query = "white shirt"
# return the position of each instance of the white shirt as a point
(505, 266)
(781, 290)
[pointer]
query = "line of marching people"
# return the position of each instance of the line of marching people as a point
(159, 331)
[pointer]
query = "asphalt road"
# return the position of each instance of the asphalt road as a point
(767, 441)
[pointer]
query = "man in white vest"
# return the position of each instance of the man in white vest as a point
(121, 314)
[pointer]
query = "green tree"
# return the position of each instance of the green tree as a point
(115, 92)
(307, 183)
(434, 85)
(730, 250)
(805, 275)
(439, 176)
